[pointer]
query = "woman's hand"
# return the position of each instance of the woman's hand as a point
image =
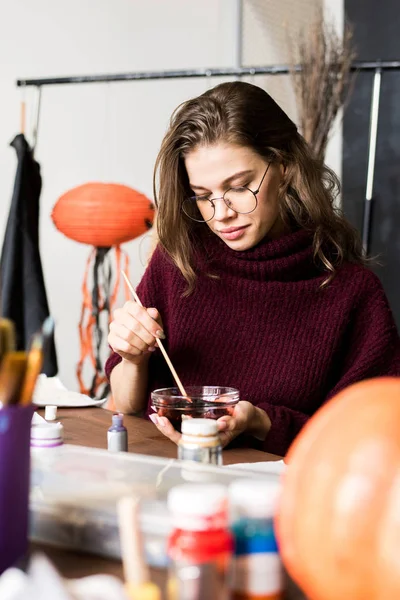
(245, 418)
(165, 426)
(134, 331)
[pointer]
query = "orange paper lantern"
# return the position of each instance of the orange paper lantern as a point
(338, 525)
(103, 215)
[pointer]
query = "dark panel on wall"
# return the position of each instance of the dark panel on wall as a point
(376, 36)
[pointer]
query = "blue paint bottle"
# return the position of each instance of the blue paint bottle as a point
(117, 435)
(257, 568)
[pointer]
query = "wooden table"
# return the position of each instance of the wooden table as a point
(88, 427)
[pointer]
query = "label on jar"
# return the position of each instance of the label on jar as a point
(207, 455)
(258, 575)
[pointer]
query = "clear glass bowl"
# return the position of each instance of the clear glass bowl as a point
(207, 402)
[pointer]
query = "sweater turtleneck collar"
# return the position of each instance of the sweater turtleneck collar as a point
(288, 258)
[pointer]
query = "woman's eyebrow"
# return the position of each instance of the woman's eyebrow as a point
(226, 181)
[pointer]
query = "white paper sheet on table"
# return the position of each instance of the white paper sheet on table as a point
(37, 419)
(277, 466)
(50, 390)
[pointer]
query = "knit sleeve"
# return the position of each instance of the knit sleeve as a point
(149, 293)
(286, 423)
(373, 343)
(372, 349)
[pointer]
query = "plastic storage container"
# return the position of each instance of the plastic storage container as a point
(74, 491)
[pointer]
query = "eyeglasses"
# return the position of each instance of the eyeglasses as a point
(242, 200)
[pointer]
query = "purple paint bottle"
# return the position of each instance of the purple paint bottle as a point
(117, 435)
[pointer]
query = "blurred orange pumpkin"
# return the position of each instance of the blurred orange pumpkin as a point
(338, 525)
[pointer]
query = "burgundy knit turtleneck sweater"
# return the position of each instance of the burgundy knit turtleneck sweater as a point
(267, 328)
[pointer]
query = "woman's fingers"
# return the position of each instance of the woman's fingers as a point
(155, 315)
(223, 423)
(229, 426)
(165, 426)
(142, 316)
(134, 331)
(131, 339)
(125, 355)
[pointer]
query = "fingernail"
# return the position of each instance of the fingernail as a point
(160, 334)
(154, 419)
(153, 312)
(151, 349)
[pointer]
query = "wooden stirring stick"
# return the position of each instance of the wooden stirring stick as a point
(160, 345)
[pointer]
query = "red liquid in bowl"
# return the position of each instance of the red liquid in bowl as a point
(201, 405)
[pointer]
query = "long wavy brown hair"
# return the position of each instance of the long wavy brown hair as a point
(243, 114)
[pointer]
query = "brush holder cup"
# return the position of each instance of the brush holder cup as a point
(15, 429)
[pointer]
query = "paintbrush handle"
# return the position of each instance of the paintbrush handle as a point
(12, 375)
(34, 366)
(159, 342)
(135, 569)
(7, 337)
(137, 578)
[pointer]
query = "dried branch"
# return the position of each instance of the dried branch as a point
(323, 84)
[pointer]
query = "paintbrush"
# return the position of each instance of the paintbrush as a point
(36, 354)
(137, 580)
(7, 337)
(12, 374)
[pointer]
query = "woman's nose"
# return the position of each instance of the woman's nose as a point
(222, 211)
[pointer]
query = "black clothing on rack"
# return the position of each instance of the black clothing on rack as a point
(23, 293)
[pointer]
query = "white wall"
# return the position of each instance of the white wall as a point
(98, 132)
(103, 132)
(271, 29)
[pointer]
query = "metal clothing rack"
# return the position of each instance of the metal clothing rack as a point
(193, 73)
(377, 67)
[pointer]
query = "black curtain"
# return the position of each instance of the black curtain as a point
(23, 293)
(376, 36)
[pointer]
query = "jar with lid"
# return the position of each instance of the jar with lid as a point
(200, 546)
(200, 441)
(257, 568)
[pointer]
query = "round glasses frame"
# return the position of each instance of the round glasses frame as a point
(195, 199)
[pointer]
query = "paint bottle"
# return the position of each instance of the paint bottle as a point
(200, 442)
(46, 436)
(50, 413)
(201, 545)
(117, 435)
(257, 568)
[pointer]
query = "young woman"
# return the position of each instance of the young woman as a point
(257, 282)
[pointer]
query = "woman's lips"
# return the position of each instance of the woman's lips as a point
(233, 233)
